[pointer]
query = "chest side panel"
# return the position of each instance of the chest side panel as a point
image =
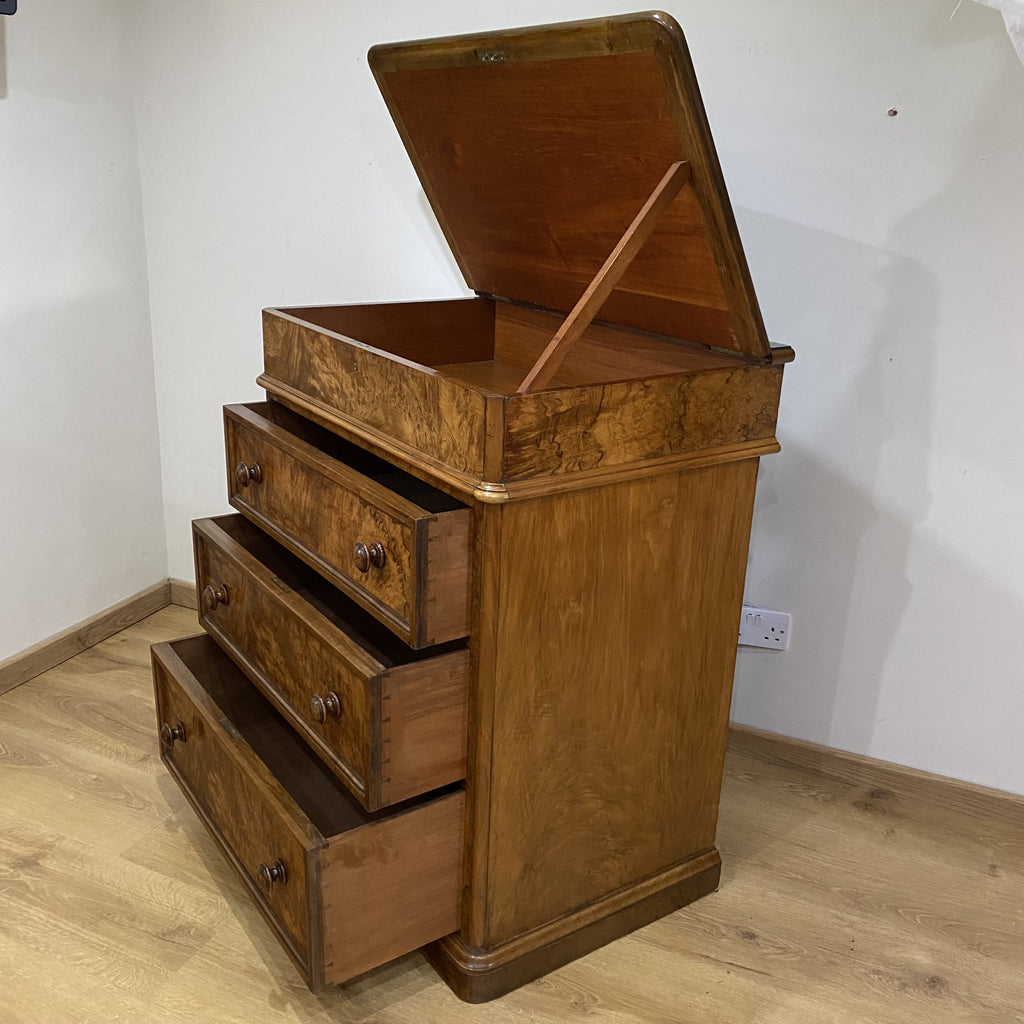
(617, 618)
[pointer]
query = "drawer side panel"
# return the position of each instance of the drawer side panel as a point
(391, 887)
(423, 726)
(444, 572)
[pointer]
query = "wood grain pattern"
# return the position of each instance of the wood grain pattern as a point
(248, 807)
(422, 726)
(424, 333)
(479, 975)
(836, 904)
(401, 728)
(945, 794)
(491, 376)
(625, 399)
(288, 648)
(312, 500)
(488, 492)
(597, 291)
(183, 594)
(444, 551)
(455, 482)
(606, 757)
(27, 664)
(584, 428)
(419, 408)
(602, 355)
(601, 475)
(359, 889)
(533, 200)
(392, 886)
(320, 508)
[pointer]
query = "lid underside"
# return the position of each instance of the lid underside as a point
(537, 148)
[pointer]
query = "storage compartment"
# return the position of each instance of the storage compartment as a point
(573, 174)
(331, 668)
(436, 383)
(489, 346)
(391, 542)
(308, 853)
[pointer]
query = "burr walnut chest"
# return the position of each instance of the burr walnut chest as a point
(470, 636)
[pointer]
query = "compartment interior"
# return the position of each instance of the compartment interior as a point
(377, 640)
(362, 461)
(322, 798)
(489, 345)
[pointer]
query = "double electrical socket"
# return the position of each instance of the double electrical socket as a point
(761, 627)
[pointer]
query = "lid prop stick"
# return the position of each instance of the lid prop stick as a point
(606, 278)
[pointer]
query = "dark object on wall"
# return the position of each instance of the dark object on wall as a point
(8, 6)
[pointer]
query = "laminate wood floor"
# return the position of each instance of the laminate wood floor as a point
(839, 902)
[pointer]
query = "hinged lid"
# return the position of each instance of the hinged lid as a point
(537, 148)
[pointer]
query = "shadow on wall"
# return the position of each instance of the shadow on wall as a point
(836, 536)
(821, 545)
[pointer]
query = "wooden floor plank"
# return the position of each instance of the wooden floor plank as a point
(842, 899)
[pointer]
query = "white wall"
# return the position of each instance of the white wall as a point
(81, 521)
(887, 250)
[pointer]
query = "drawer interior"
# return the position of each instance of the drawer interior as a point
(369, 465)
(375, 638)
(320, 796)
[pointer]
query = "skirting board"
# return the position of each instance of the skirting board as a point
(859, 770)
(183, 593)
(855, 769)
(27, 664)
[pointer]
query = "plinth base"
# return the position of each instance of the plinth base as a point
(479, 974)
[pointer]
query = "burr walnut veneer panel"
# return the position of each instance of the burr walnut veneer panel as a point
(388, 720)
(321, 508)
(313, 859)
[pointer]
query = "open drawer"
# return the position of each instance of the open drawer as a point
(394, 544)
(343, 890)
(390, 721)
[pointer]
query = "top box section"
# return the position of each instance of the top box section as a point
(537, 147)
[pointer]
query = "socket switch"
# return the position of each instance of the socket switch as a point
(761, 627)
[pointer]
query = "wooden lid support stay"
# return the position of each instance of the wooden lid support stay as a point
(606, 278)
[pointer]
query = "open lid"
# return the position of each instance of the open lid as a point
(537, 147)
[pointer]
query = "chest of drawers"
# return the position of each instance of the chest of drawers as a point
(470, 638)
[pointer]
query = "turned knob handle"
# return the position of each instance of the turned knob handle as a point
(213, 596)
(327, 706)
(246, 475)
(170, 734)
(269, 875)
(366, 556)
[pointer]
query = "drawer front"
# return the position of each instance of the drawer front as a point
(388, 730)
(274, 637)
(350, 890)
(246, 810)
(407, 566)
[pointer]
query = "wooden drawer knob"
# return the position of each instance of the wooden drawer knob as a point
(170, 734)
(246, 475)
(213, 596)
(366, 556)
(327, 706)
(267, 876)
